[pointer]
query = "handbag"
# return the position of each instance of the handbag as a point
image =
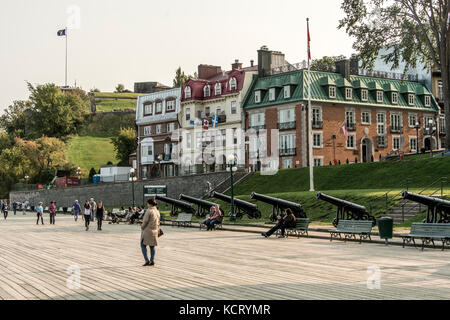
(160, 233)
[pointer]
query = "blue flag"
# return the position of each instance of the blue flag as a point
(215, 121)
(62, 33)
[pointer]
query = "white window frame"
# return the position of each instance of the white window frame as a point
(207, 111)
(411, 99)
(170, 105)
(287, 92)
(188, 114)
(354, 141)
(394, 138)
(364, 95)
(218, 89)
(233, 107)
(411, 138)
(399, 117)
(426, 119)
(187, 92)
(427, 101)
(369, 116)
(147, 107)
(348, 93)
(283, 115)
(272, 94)
(380, 96)
(381, 124)
(320, 134)
(410, 115)
(259, 118)
(170, 127)
(332, 91)
(353, 116)
(318, 161)
(258, 96)
(147, 131)
(207, 91)
(317, 116)
(233, 84)
(394, 98)
(158, 129)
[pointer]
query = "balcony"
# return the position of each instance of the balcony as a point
(287, 125)
(396, 129)
(222, 119)
(381, 141)
(288, 152)
(351, 126)
(317, 124)
(257, 128)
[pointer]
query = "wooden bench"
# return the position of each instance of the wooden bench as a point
(183, 219)
(301, 228)
(351, 228)
(428, 232)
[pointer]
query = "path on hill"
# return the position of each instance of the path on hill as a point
(34, 264)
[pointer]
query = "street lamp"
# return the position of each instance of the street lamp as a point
(231, 166)
(417, 127)
(431, 129)
(26, 179)
(79, 173)
(132, 180)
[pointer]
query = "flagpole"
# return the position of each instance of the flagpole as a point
(310, 140)
(67, 35)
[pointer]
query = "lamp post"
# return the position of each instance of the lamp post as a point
(231, 166)
(79, 174)
(132, 180)
(417, 127)
(431, 129)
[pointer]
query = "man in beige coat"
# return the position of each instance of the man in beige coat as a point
(150, 228)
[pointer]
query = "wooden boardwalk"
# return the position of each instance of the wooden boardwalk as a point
(190, 264)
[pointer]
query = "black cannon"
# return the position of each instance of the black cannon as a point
(203, 206)
(243, 207)
(280, 205)
(438, 209)
(347, 210)
(177, 206)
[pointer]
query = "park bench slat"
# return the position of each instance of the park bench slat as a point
(428, 232)
(183, 219)
(350, 228)
(301, 227)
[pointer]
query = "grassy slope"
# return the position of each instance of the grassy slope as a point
(105, 105)
(129, 95)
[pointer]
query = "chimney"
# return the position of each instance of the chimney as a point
(267, 60)
(343, 67)
(252, 62)
(207, 71)
(236, 65)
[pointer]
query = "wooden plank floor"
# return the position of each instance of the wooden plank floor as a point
(193, 264)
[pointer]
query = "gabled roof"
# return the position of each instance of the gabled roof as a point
(343, 83)
(374, 86)
(327, 81)
(388, 87)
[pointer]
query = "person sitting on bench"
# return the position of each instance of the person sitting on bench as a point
(135, 215)
(215, 217)
(284, 222)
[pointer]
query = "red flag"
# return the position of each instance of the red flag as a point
(205, 124)
(309, 43)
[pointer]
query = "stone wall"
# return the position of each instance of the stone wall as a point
(120, 194)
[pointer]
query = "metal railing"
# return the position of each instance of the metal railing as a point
(287, 125)
(288, 152)
(317, 124)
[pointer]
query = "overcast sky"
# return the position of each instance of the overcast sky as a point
(131, 41)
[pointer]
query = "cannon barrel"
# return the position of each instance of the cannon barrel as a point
(186, 207)
(426, 200)
(340, 203)
(237, 202)
(275, 201)
(199, 202)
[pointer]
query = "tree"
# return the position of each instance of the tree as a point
(125, 144)
(326, 64)
(14, 119)
(54, 113)
(120, 88)
(410, 30)
(181, 78)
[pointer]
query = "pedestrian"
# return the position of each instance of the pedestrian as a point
(93, 208)
(100, 214)
(76, 210)
(15, 207)
(52, 211)
(289, 220)
(40, 213)
(150, 232)
(5, 209)
(87, 214)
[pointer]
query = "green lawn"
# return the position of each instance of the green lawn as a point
(89, 152)
(105, 105)
(129, 95)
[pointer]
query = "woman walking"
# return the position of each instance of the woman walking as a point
(5, 209)
(52, 211)
(87, 214)
(150, 230)
(40, 212)
(99, 215)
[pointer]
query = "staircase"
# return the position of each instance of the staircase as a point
(225, 185)
(405, 210)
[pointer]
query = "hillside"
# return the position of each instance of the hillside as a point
(107, 101)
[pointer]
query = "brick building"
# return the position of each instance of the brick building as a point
(379, 115)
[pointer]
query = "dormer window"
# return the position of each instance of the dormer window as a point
(233, 84)
(348, 93)
(394, 98)
(287, 92)
(187, 92)
(218, 89)
(170, 105)
(332, 92)
(148, 109)
(258, 96)
(411, 99)
(272, 94)
(380, 96)
(427, 101)
(206, 91)
(158, 106)
(364, 95)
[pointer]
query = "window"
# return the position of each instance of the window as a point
(223, 133)
(412, 120)
(158, 129)
(170, 127)
(350, 119)
(411, 99)
(427, 101)
(332, 92)
(287, 144)
(394, 98)
(396, 122)
(207, 111)
(351, 141)
(427, 121)
(147, 131)
(257, 119)
(364, 95)
(170, 105)
(218, 110)
(218, 89)
(287, 92)
(395, 143)
(381, 121)
(365, 117)
(380, 96)
(286, 115)
(272, 94)
(188, 114)
(442, 124)
(235, 136)
(287, 163)
(159, 107)
(317, 162)
(413, 144)
(187, 92)
(148, 108)
(167, 149)
(317, 116)
(233, 107)
(348, 93)
(440, 90)
(188, 140)
(317, 140)
(150, 150)
(233, 84)
(206, 91)
(257, 96)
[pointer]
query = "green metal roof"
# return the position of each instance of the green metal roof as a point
(319, 90)
(343, 83)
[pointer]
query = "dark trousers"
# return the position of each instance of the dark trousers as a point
(39, 215)
(52, 218)
(5, 213)
(279, 225)
(87, 219)
(210, 223)
(15, 211)
(99, 222)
